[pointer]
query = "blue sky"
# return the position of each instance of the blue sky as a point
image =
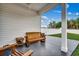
(73, 10)
(55, 14)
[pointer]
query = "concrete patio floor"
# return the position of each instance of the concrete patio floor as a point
(52, 47)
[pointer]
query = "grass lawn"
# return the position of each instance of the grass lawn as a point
(76, 51)
(69, 36)
(72, 37)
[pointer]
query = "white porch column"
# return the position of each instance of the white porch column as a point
(64, 29)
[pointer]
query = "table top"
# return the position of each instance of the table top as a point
(7, 46)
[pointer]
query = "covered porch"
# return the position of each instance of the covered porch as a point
(27, 18)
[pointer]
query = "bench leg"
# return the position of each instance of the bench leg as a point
(43, 40)
(27, 45)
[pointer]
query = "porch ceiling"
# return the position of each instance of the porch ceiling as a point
(27, 9)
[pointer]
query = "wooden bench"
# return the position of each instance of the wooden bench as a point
(31, 37)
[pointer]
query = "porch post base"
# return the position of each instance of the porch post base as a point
(65, 50)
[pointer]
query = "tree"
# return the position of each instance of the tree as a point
(77, 20)
(72, 24)
(68, 24)
(58, 24)
(50, 25)
(54, 24)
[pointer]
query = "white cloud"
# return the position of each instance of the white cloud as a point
(49, 21)
(42, 21)
(69, 13)
(69, 18)
(67, 6)
(43, 25)
(44, 17)
(53, 19)
(77, 13)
